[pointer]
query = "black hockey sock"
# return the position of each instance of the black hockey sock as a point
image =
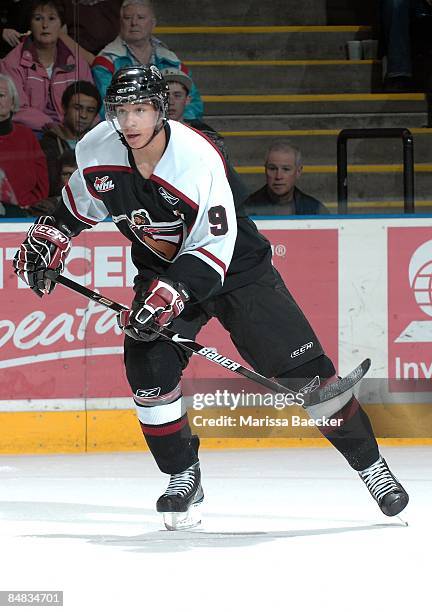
(355, 438)
(172, 445)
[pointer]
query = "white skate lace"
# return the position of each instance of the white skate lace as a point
(181, 484)
(379, 479)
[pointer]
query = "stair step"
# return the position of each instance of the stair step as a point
(275, 123)
(286, 76)
(319, 146)
(261, 42)
(247, 12)
(366, 182)
(336, 104)
(420, 168)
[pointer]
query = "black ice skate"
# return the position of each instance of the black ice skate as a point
(180, 502)
(384, 488)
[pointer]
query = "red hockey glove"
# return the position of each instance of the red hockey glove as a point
(41, 256)
(160, 304)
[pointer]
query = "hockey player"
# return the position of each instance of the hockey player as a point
(164, 184)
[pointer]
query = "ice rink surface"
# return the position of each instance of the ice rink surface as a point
(291, 529)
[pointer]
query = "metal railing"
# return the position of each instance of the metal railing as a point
(408, 162)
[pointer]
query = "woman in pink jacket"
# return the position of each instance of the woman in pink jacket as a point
(42, 66)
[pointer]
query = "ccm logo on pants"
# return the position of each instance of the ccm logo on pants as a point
(301, 350)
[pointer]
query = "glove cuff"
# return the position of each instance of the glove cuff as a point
(179, 287)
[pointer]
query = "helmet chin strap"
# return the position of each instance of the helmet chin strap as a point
(155, 133)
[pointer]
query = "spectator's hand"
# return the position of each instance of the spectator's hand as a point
(12, 37)
(429, 2)
(43, 207)
(53, 127)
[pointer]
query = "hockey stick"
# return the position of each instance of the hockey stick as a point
(317, 396)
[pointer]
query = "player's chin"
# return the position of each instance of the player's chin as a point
(134, 140)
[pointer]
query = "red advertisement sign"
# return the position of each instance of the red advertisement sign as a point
(63, 346)
(410, 306)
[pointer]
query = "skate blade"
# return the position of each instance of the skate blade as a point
(176, 521)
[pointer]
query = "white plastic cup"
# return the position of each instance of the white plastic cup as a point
(354, 50)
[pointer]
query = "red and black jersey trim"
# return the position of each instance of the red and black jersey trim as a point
(163, 183)
(108, 168)
(215, 259)
(75, 208)
(193, 205)
(98, 169)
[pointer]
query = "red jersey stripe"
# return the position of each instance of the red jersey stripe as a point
(163, 183)
(75, 209)
(213, 258)
(164, 430)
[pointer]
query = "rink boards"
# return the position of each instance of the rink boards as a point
(365, 284)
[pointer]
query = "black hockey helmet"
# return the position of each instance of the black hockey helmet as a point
(135, 85)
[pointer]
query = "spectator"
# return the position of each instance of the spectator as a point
(180, 86)
(67, 166)
(280, 196)
(14, 21)
(12, 24)
(42, 66)
(81, 103)
(93, 23)
(397, 19)
(135, 45)
(22, 162)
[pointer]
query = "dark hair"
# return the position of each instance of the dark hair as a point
(55, 4)
(67, 158)
(83, 87)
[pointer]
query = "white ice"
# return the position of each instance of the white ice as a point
(291, 529)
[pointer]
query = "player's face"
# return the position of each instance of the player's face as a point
(80, 113)
(5, 101)
(282, 172)
(136, 23)
(178, 98)
(137, 123)
(45, 26)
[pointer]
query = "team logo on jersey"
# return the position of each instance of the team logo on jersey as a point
(168, 196)
(103, 184)
(164, 239)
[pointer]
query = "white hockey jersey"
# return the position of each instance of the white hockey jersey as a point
(181, 221)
